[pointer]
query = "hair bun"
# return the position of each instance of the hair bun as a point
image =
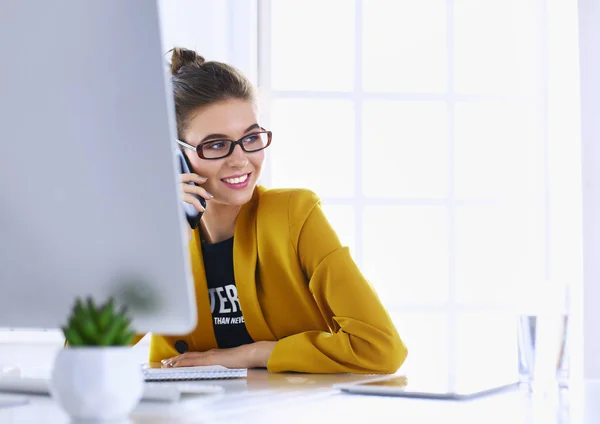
(184, 57)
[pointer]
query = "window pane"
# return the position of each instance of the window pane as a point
(406, 253)
(426, 338)
(404, 46)
(497, 46)
(342, 219)
(496, 150)
(313, 145)
(405, 149)
(312, 45)
(487, 342)
(492, 253)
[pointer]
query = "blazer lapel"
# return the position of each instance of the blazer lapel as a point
(245, 258)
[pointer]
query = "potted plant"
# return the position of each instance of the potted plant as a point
(96, 376)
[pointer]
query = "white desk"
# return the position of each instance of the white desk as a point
(300, 398)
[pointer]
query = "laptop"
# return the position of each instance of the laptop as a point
(431, 387)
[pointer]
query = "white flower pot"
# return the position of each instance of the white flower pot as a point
(97, 383)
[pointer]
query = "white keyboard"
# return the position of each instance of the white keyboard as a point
(162, 392)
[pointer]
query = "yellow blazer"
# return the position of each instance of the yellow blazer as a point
(299, 286)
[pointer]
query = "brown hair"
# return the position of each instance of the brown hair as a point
(197, 83)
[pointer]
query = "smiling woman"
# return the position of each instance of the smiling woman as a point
(275, 287)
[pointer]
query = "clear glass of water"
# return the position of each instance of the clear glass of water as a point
(543, 350)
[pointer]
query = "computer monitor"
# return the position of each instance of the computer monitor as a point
(89, 183)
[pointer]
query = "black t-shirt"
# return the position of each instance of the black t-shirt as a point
(228, 321)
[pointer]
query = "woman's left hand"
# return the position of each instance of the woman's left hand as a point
(254, 355)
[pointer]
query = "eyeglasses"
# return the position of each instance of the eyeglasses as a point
(219, 149)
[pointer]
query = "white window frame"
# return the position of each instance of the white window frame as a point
(556, 267)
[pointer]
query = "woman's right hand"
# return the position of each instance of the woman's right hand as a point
(189, 190)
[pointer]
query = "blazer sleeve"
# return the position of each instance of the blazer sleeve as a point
(363, 337)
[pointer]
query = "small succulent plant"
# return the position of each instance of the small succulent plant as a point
(91, 325)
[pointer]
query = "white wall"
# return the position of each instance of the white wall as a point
(200, 25)
(589, 30)
(223, 30)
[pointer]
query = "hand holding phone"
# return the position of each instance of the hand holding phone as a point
(194, 196)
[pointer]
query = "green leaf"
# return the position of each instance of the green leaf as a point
(109, 335)
(124, 339)
(106, 315)
(79, 309)
(91, 312)
(125, 324)
(79, 312)
(86, 329)
(72, 337)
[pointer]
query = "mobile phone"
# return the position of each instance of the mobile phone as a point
(191, 213)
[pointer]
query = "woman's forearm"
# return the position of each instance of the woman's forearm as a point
(259, 353)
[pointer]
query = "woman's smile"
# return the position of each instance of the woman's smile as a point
(237, 182)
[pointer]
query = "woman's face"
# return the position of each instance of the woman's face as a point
(229, 119)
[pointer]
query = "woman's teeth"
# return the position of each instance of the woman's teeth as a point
(237, 180)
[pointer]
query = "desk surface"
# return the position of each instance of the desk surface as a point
(274, 398)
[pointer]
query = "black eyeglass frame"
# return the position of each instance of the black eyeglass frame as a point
(198, 149)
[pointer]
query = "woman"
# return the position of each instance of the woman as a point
(275, 288)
